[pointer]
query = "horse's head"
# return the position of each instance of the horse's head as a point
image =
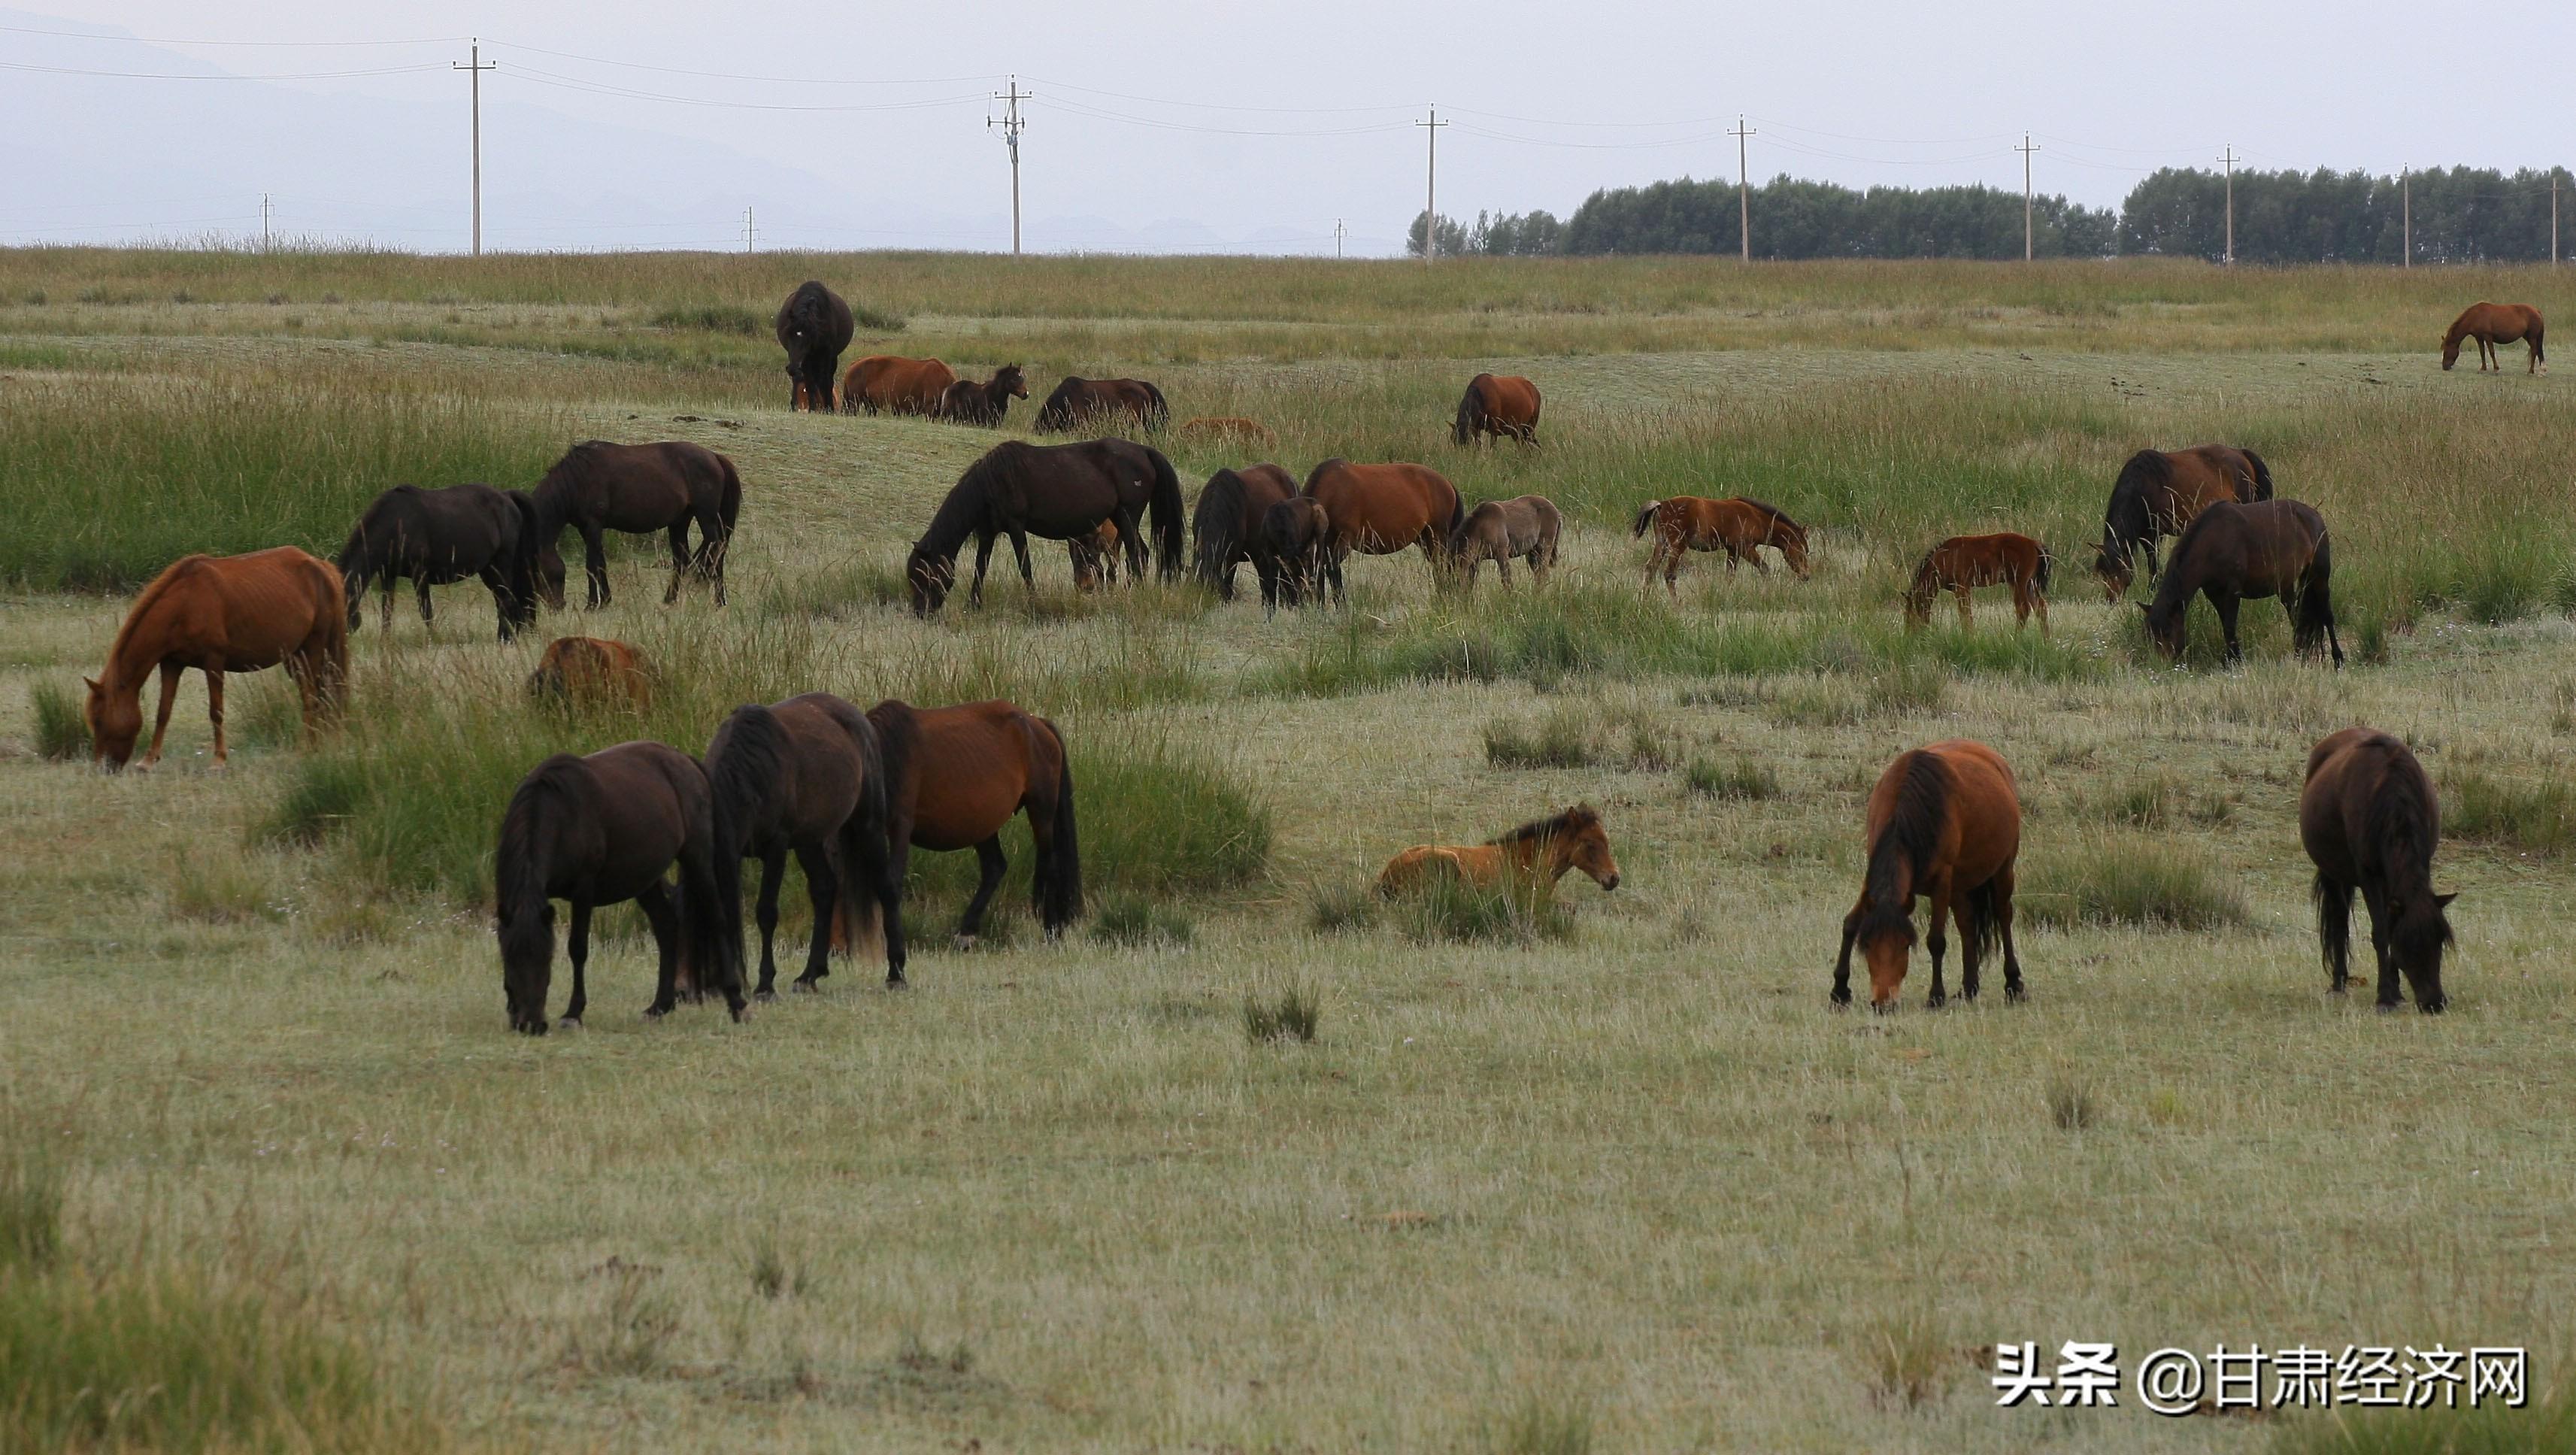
(1007, 381)
(1581, 843)
(2450, 350)
(527, 953)
(2165, 622)
(1792, 542)
(2416, 943)
(115, 720)
(930, 579)
(1886, 940)
(2115, 570)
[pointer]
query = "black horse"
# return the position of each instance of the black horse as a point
(440, 537)
(2231, 552)
(1291, 551)
(1056, 492)
(1226, 526)
(968, 402)
(598, 487)
(1079, 402)
(813, 326)
(599, 830)
(2370, 821)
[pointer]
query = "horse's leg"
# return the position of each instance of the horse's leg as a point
(2334, 926)
(1965, 619)
(895, 867)
(385, 601)
(2003, 889)
(2039, 603)
(2151, 559)
(594, 559)
(1132, 537)
(983, 560)
(2021, 605)
(420, 587)
(988, 857)
(1842, 960)
(1503, 569)
(679, 558)
(823, 885)
(1938, 942)
(1020, 550)
(577, 948)
(2227, 604)
(1967, 956)
(773, 869)
(169, 698)
(215, 709)
(2383, 917)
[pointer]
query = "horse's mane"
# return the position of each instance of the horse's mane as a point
(955, 518)
(519, 863)
(1927, 577)
(1573, 820)
(1317, 473)
(744, 765)
(1912, 834)
(158, 587)
(1059, 405)
(2125, 518)
(1218, 523)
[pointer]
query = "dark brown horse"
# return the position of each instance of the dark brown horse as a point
(813, 326)
(601, 830)
(956, 775)
(2371, 821)
(221, 614)
(2159, 492)
(1497, 406)
(2231, 552)
(1056, 492)
(1501, 531)
(598, 487)
(893, 384)
(1295, 534)
(2492, 324)
(806, 776)
(1737, 525)
(1225, 526)
(592, 672)
(1963, 563)
(549, 563)
(967, 402)
(1943, 822)
(439, 537)
(1378, 510)
(1084, 403)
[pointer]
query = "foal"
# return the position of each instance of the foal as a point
(1963, 563)
(1501, 531)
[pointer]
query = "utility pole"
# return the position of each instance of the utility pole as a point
(2406, 217)
(1743, 186)
(2230, 160)
(746, 231)
(1431, 188)
(268, 238)
(2025, 149)
(2553, 217)
(1011, 123)
(476, 67)
(1337, 234)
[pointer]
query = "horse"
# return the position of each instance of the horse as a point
(437, 538)
(2157, 494)
(1378, 510)
(813, 327)
(2492, 324)
(1500, 530)
(1497, 405)
(1094, 557)
(806, 776)
(2230, 552)
(548, 566)
(599, 830)
(221, 614)
(1963, 563)
(893, 384)
(1226, 523)
(591, 672)
(1294, 537)
(2370, 822)
(1533, 856)
(598, 486)
(1944, 821)
(1079, 402)
(1737, 525)
(967, 402)
(1230, 429)
(955, 775)
(1053, 491)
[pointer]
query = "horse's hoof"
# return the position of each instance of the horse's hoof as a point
(569, 1023)
(656, 1012)
(897, 982)
(2016, 994)
(804, 986)
(764, 994)
(1883, 1007)
(1936, 1000)
(2387, 1007)
(1842, 997)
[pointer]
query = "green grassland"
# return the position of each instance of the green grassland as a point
(1613, 1178)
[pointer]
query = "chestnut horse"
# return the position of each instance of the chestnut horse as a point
(1079, 403)
(2231, 552)
(892, 384)
(1227, 521)
(813, 326)
(2371, 821)
(1251, 433)
(1499, 531)
(2492, 324)
(1056, 492)
(1378, 510)
(1737, 525)
(806, 776)
(222, 614)
(601, 830)
(592, 672)
(1497, 405)
(1944, 821)
(1963, 563)
(1095, 557)
(439, 537)
(967, 402)
(2158, 493)
(1293, 539)
(598, 487)
(955, 775)
(1535, 856)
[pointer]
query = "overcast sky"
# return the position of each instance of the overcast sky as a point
(1195, 126)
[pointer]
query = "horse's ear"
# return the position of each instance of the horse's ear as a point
(2443, 901)
(92, 684)
(2142, 608)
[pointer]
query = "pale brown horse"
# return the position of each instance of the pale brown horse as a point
(1944, 822)
(1737, 525)
(2492, 324)
(1496, 406)
(1963, 563)
(222, 614)
(2370, 821)
(2231, 552)
(956, 775)
(1230, 429)
(592, 672)
(2159, 492)
(1501, 531)
(892, 384)
(1378, 510)
(1095, 557)
(1534, 856)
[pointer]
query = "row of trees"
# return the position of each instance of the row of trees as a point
(2460, 214)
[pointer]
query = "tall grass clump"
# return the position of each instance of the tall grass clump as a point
(2129, 879)
(1541, 1425)
(2537, 816)
(1740, 777)
(1291, 1015)
(2545, 1426)
(1562, 739)
(31, 1201)
(62, 734)
(1133, 921)
(1446, 908)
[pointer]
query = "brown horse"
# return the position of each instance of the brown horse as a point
(1502, 530)
(1496, 406)
(1963, 563)
(1293, 538)
(1225, 526)
(1378, 510)
(1944, 821)
(967, 402)
(2231, 552)
(813, 326)
(806, 776)
(1737, 525)
(1094, 557)
(1535, 855)
(2492, 324)
(222, 614)
(592, 672)
(1230, 429)
(599, 487)
(892, 384)
(2159, 492)
(2371, 821)
(1056, 492)
(1083, 403)
(955, 775)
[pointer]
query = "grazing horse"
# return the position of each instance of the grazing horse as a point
(1230, 429)
(1225, 526)
(1056, 492)
(1496, 405)
(2231, 552)
(1378, 510)
(1501, 530)
(592, 672)
(2492, 324)
(893, 384)
(1533, 856)
(806, 776)
(438, 537)
(2370, 821)
(1294, 537)
(222, 614)
(2158, 493)
(1963, 563)
(967, 402)
(600, 830)
(813, 327)
(1078, 403)
(956, 775)
(548, 566)
(1738, 525)
(1944, 821)
(1094, 558)
(598, 487)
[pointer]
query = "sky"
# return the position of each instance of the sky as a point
(1181, 127)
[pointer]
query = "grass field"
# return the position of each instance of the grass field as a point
(1245, 1163)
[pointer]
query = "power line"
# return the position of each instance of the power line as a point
(216, 75)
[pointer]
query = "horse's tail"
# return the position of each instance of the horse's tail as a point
(2039, 573)
(743, 765)
(1471, 414)
(356, 569)
(2262, 476)
(856, 915)
(1457, 515)
(2315, 617)
(521, 568)
(1166, 508)
(1161, 414)
(1645, 518)
(711, 907)
(1217, 526)
(1058, 881)
(1980, 923)
(2334, 924)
